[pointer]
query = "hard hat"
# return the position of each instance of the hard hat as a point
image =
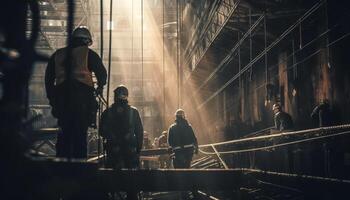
(276, 107)
(180, 113)
(121, 92)
(83, 33)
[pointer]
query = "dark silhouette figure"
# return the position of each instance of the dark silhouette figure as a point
(72, 98)
(283, 121)
(322, 115)
(164, 160)
(122, 128)
(182, 140)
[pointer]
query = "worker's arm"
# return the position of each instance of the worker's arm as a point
(195, 142)
(95, 65)
(170, 137)
(138, 130)
(50, 80)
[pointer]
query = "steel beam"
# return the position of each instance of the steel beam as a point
(92, 180)
(170, 179)
(230, 56)
(265, 51)
(211, 31)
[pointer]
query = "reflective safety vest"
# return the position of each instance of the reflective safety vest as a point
(79, 62)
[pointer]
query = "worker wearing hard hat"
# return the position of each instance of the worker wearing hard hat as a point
(122, 128)
(283, 121)
(182, 140)
(72, 98)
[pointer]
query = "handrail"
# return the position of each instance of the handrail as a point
(322, 129)
(259, 131)
(277, 135)
(276, 145)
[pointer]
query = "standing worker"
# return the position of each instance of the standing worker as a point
(72, 98)
(322, 115)
(164, 160)
(122, 128)
(283, 121)
(182, 140)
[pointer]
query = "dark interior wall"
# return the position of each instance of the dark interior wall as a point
(319, 71)
(339, 62)
(309, 65)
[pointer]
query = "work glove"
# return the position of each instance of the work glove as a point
(99, 90)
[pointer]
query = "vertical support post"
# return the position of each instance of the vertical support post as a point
(180, 53)
(163, 60)
(100, 105)
(68, 62)
(101, 29)
(109, 49)
(327, 27)
(142, 92)
(132, 33)
(177, 53)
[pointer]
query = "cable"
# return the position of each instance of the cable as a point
(330, 128)
(274, 146)
(278, 186)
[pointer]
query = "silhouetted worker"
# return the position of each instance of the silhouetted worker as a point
(72, 98)
(122, 128)
(146, 141)
(182, 140)
(322, 115)
(163, 140)
(283, 121)
(164, 160)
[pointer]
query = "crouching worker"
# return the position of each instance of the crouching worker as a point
(122, 129)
